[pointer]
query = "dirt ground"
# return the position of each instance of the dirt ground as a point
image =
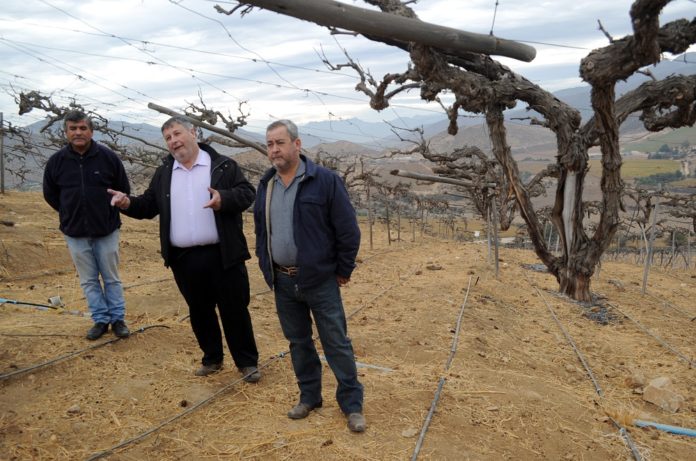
(424, 316)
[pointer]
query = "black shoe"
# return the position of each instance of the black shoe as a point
(120, 329)
(97, 330)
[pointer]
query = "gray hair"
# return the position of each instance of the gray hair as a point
(288, 124)
(177, 119)
(76, 116)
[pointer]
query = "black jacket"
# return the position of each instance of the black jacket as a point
(75, 186)
(236, 192)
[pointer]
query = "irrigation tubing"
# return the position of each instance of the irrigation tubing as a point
(72, 354)
(455, 340)
(178, 416)
(428, 418)
(666, 428)
(598, 389)
(42, 307)
(441, 383)
(622, 430)
(664, 343)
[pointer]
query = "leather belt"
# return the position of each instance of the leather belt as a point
(290, 271)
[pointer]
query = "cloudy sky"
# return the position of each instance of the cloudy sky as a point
(116, 56)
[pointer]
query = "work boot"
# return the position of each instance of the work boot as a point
(120, 329)
(356, 422)
(206, 370)
(97, 330)
(251, 374)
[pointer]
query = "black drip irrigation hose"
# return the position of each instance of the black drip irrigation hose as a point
(138, 438)
(72, 354)
(441, 383)
(568, 338)
(43, 307)
(622, 430)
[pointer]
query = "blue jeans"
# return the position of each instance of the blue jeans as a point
(294, 306)
(94, 257)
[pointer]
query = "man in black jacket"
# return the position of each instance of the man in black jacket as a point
(199, 196)
(75, 184)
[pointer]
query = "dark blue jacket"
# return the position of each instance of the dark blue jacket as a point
(75, 186)
(324, 223)
(236, 193)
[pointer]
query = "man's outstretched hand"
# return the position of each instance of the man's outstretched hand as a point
(119, 199)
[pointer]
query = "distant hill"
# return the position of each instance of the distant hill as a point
(525, 140)
(344, 149)
(579, 97)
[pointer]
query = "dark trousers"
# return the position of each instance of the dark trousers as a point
(204, 283)
(296, 307)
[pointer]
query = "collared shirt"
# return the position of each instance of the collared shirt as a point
(191, 224)
(283, 246)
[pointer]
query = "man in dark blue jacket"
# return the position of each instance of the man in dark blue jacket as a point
(75, 184)
(307, 238)
(199, 196)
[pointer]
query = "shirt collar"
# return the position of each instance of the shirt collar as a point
(301, 170)
(203, 159)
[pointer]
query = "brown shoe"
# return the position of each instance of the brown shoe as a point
(356, 422)
(250, 374)
(206, 370)
(301, 410)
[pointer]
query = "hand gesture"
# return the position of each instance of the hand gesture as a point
(215, 200)
(119, 199)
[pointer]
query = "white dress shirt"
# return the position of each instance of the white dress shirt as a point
(192, 225)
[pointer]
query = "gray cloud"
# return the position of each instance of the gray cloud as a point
(116, 56)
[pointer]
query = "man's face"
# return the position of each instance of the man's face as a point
(79, 135)
(283, 153)
(182, 143)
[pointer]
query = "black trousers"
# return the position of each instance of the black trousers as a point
(205, 284)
